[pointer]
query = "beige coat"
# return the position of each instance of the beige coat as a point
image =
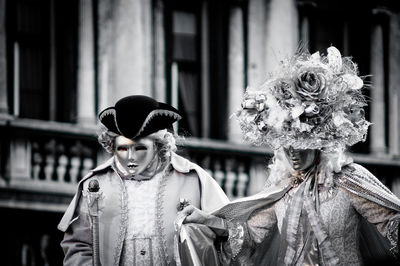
(187, 180)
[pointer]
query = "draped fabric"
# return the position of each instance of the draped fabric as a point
(308, 235)
(306, 201)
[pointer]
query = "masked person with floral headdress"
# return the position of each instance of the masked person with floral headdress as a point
(139, 190)
(318, 207)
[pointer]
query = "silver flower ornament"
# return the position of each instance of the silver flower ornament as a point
(311, 86)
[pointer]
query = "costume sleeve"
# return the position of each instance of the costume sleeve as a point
(77, 242)
(244, 237)
(386, 220)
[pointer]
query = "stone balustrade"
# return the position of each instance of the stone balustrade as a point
(50, 158)
(239, 169)
(46, 157)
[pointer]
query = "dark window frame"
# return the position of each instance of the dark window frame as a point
(192, 7)
(65, 56)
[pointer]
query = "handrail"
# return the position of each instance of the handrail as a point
(187, 142)
(52, 126)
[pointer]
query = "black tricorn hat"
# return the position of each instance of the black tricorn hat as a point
(138, 116)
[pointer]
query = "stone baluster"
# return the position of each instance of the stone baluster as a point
(74, 170)
(37, 161)
(27, 254)
(206, 165)
(45, 242)
(230, 179)
(87, 166)
(49, 167)
(242, 181)
(219, 175)
(258, 177)
(50, 148)
(62, 167)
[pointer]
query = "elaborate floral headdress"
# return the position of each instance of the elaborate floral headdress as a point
(311, 102)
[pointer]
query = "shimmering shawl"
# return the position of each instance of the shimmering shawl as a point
(276, 250)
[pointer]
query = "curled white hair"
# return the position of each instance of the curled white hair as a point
(165, 143)
(106, 139)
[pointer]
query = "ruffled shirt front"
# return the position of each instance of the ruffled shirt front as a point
(142, 242)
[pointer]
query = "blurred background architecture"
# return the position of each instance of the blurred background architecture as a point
(63, 61)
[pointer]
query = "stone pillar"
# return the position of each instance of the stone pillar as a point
(282, 32)
(105, 17)
(377, 106)
(394, 81)
(131, 57)
(235, 71)
(159, 84)
(346, 39)
(256, 32)
(305, 9)
(53, 64)
(3, 60)
(104, 82)
(205, 77)
(86, 84)
(305, 32)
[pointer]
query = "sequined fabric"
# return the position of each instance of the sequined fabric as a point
(340, 212)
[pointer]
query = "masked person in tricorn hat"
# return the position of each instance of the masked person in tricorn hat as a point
(139, 192)
(318, 207)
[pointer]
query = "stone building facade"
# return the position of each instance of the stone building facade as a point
(63, 61)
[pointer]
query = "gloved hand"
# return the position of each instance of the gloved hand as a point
(195, 215)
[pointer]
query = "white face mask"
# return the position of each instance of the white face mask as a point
(133, 156)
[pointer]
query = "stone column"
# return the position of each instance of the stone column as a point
(256, 32)
(394, 92)
(305, 32)
(86, 85)
(159, 84)
(205, 77)
(282, 32)
(131, 58)
(53, 64)
(394, 81)
(305, 9)
(377, 106)
(105, 18)
(3, 60)
(235, 70)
